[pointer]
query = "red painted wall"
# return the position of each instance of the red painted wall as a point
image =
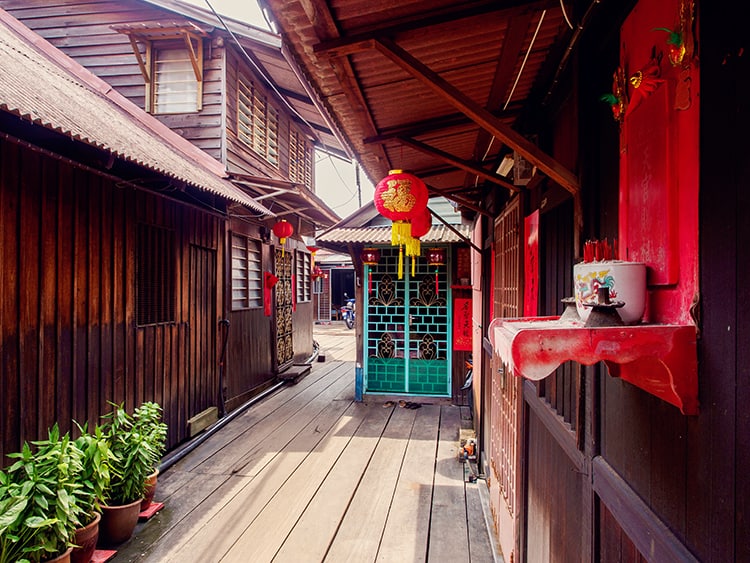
(659, 164)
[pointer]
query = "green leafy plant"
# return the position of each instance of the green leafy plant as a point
(39, 495)
(132, 457)
(148, 421)
(96, 459)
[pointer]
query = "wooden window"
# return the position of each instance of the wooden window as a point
(300, 159)
(257, 121)
(155, 275)
(176, 87)
(303, 277)
(246, 273)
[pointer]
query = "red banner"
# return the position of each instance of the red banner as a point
(531, 265)
(462, 324)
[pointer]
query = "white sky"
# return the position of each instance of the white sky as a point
(334, 178)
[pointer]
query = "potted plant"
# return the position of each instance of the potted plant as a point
(96, 458)
(148, 421)
(39, 501)
(132, 457)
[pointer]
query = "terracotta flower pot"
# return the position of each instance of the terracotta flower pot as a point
(148, 494)
(118, 522)
(85, 539)
(62, 558)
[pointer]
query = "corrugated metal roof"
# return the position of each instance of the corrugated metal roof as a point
(382, 235)
(434, 87)
(43, 86)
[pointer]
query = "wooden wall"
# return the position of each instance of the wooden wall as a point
(69, 338)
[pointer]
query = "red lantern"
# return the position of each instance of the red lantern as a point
(283, 229)
(421, 224)
(313, 250)
(400, 197)
(316, 273)
(370, 256)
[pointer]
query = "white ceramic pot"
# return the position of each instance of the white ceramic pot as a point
(626, 282)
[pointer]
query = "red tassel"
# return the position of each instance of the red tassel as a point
(437, 288)
(369, 281)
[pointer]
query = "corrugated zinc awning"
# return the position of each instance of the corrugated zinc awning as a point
(43, 86)
(382, 235)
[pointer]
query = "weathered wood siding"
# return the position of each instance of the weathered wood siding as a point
(82, 30)
(68, 331)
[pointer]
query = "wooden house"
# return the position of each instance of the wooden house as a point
(227, 89)
(552, 124)
(111, 245)
(413, 312)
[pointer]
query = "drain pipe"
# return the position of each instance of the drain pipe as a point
(173, 457)
(222, 389)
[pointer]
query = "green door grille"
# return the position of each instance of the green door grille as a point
(407, 324)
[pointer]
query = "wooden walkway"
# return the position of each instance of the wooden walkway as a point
(308, 474)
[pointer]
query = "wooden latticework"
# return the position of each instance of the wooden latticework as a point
(284, 336)
(505, 388)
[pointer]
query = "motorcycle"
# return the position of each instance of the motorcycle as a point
(347, 311)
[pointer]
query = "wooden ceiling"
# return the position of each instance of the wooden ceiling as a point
(435, 87)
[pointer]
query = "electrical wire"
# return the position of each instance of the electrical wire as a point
(525, 58)
(565, 14)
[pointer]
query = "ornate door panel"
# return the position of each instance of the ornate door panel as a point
(284, 354)
(407, 321)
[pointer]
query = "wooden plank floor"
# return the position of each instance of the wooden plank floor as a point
(308, 474)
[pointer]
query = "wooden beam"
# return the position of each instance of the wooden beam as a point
(471, 167)
(478, 114)
(454, 230)
(139, 58)
(193, 55)
(357, 39)
(459, 200)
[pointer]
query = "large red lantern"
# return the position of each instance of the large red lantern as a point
(283, 229)
(401, 197)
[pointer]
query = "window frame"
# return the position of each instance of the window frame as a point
(194, 54)
(300, 150)
(155, 275)
(249, 251)
(303, 262)
(258, 121)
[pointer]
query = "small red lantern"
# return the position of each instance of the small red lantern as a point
(313, 250)
(400, 197)
(283, 229)
(370, 257)
(436, 257)
(316, 273)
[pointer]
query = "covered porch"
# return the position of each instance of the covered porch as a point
(308, 474)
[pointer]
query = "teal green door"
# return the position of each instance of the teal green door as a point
(407, 328)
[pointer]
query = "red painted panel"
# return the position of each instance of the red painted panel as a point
(462, 324)
(659, 155)
(531, 265)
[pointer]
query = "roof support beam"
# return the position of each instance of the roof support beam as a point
(479, 115)
(460, 163)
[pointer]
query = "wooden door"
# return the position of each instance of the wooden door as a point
(203, 386)
(407, 327)
(283, 331)
(504, 388)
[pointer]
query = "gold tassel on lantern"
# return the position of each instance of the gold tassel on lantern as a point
(400, 262)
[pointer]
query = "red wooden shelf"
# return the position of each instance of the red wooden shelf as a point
(660, 359)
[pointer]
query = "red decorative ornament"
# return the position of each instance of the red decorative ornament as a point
(436, 257)
(401, 197)
(317, 273)
(644, 82)
(283, 229)
(370, 257)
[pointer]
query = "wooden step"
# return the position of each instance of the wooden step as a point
(295, 372)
